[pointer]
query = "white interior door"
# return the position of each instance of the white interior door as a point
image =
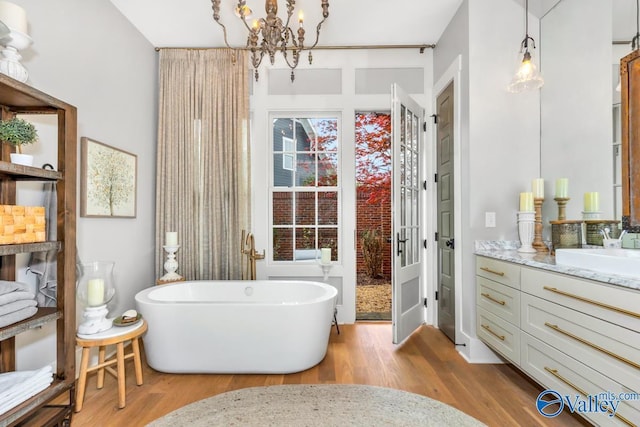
(406, 141)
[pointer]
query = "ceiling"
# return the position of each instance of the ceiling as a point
(189, 23)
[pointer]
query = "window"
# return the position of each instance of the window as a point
(305, 188)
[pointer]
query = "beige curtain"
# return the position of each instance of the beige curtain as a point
(203, 160)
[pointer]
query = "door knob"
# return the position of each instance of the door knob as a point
(450, 243)
(399, 240)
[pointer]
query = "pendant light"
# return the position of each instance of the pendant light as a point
(527, 76)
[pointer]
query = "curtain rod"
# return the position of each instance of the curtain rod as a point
(421, 47)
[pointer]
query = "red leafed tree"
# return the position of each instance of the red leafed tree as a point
(373, 155)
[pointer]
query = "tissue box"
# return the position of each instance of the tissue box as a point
(21, 224)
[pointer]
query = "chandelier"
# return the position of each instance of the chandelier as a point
(270, 34)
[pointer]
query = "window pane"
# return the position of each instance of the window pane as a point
(306, 170)
(327, 170)
(305, 208)
(328, 208)
(282, 208)
(281, 176)
(282, 128)
(328, 238)
(283, 244)
(306, 244)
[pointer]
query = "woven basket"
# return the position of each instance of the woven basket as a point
(21, 224)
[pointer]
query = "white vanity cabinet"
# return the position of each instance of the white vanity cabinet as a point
(576, 336)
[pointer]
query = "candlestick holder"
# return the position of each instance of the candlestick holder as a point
(171, 265)
(526, 222)
(562, 205)
(326, 267)
(591, 215)
(538, 244)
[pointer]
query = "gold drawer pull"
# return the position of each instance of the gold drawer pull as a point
(489, 297)
(555, 373)
(590, 301)
(488, 270)
(488, 329)
(592, 345)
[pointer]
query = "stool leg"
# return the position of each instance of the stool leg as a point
(136, 360)
(82, 380)
(101, 356)
(121, 378)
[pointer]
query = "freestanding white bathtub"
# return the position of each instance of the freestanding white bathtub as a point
(237, 326)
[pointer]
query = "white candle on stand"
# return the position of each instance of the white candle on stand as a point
(171, 238)
(537, 186)
(95, 292)
(526, 202)
(562, 188)
(325, 255)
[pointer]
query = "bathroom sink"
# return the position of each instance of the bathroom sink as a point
(625, 262)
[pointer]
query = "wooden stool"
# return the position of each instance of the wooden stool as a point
(116, 335)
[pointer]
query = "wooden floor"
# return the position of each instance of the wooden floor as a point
(426, 363)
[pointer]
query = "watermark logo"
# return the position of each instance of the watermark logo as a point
(549, 403)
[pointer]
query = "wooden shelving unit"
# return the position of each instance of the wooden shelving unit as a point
(19, 98)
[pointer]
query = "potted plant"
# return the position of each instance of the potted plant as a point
(18, 132)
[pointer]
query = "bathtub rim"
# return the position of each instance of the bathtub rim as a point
(330, 293)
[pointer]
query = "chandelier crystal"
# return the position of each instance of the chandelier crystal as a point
(270, 34)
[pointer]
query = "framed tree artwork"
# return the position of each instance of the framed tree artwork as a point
(108, 181)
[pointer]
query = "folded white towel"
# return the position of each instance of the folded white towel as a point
(16, 305)
(16, 316)
(15, 296)
(7, 286)
(18, 386)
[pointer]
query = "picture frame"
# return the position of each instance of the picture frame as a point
(108, 178)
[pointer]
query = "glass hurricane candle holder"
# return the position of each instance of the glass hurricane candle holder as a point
(95, 289)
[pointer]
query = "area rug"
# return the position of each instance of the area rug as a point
(317, 405)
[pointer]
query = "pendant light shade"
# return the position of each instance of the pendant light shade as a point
(527, 76)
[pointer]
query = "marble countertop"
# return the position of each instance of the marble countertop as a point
(507, 251)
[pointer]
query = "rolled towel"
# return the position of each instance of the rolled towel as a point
(17, 305)
(16, 316)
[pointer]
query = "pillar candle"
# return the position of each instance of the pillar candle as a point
(562, 188)
(526, 202)
(95, 292)
(171, 238)
(591, 202)
(325, 255)
(537, 186)
(13, 16)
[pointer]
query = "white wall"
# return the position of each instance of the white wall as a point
(87, 54)
(499, 139)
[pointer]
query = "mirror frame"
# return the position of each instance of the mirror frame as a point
(630, 116)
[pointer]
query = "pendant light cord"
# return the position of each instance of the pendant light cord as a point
(635, 42)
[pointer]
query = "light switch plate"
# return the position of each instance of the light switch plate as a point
(490, 219)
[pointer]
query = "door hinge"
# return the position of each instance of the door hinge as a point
(424, 184)
(435, 177)
(436, 295)
(424, 126)
(436, 238)
(425, 302)
(435, 118)
(425, 243)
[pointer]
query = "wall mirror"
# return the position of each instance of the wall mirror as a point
(581, 43)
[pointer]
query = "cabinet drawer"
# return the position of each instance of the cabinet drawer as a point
(608, 302)
(612, 350)
(499, 299)
(499, 334)
(500, 271)
(557, 371)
